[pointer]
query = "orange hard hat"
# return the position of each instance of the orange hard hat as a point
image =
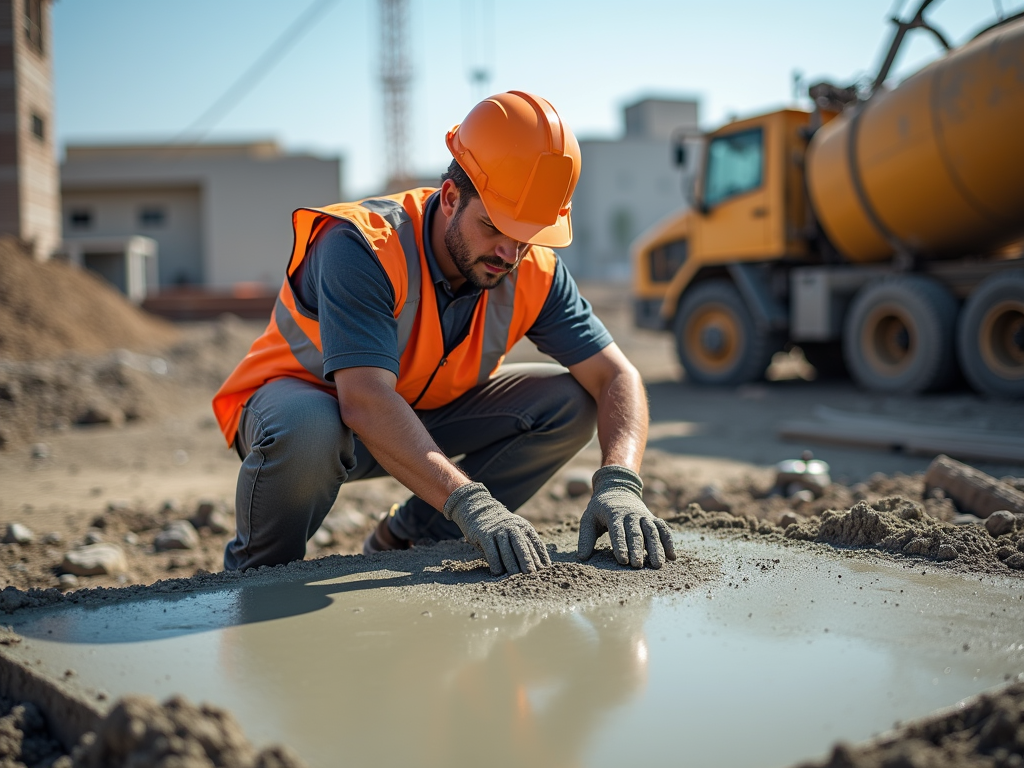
(524, 161)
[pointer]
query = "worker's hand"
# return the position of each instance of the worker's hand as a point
(507, 540)
(617, 506)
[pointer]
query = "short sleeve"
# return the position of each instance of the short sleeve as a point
(567, 328)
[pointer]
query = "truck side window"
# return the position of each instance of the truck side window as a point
(735, 165)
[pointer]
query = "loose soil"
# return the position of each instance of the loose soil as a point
(82, 369)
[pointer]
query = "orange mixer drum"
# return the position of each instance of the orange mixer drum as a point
(939, 160)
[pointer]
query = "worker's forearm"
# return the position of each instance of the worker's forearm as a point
(622, 420)
(396, 438)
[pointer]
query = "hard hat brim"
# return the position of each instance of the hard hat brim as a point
(557, 235)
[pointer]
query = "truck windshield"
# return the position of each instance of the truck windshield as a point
(735, 164)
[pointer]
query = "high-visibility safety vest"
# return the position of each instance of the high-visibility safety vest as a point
(429, 375)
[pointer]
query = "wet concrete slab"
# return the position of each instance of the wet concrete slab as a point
(784, 654)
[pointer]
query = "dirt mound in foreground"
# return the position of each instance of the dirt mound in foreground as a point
(139, 733)
(48, 309)
(987, 732)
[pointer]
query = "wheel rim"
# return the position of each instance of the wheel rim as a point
(889, 340)
(1001, 339)
(714, 338)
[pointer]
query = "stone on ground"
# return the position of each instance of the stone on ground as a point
(18, 534)
(95, 560)
(180, 534)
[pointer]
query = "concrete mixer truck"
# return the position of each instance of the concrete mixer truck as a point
(882, 232)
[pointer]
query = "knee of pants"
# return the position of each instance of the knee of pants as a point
(574, 415)
(310, 449)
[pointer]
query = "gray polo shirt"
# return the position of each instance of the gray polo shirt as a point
(343, 284)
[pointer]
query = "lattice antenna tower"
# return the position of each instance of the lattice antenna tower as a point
(396, 78)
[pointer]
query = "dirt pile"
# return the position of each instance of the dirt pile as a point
(986, 732)
(138, 733)
(895, 525)
(24, 738)
(52, 308)
(118, 386)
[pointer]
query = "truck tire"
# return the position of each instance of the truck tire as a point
(990, 336)
(898, 335)
(717, 340)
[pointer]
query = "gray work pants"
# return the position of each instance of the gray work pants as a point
(515, 432)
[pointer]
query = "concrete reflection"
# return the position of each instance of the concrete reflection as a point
(395, 686)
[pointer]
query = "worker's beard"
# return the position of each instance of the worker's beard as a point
(465, 261)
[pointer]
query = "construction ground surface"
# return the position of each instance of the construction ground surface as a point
(791, 625)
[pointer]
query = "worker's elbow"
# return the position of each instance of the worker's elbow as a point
(361, 394)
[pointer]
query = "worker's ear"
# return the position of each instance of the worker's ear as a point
(449, 198)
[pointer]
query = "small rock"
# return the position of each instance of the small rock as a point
(180, 534)
(578, 483)
(95, 560)
(93, 537)
(1004, 552)
(1016, 561)
(710, 499)
(1000, 522)
(812, 475)
(40, 451)
(118, 505)
(966, 519)
(99, 522)
(210, 514)
(131, 538)
(53, 537)
(323, 537)
(790, 518)
(346, 521)
(67, 581)
(18, 534)
(802, 496)
(947, 552)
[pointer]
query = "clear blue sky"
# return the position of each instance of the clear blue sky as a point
(144, 70)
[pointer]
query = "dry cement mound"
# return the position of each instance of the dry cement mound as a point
(986, 732)
(50, 309)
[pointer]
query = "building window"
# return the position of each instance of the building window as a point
(38, 127)
(152, 216)
(33, 20)
(81, 218)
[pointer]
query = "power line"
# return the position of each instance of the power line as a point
(249, 79)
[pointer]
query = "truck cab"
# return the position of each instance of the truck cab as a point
(749, 213)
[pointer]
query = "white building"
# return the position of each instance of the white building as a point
(628, 184)
(219, 213)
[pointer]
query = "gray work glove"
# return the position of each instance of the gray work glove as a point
(507, 540)
(617, 506)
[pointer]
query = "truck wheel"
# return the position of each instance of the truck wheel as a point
(898, 335)
(990, 337)
(827, 359)
(717, 340)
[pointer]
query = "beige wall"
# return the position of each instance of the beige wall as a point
(245, 196)
(114, 212)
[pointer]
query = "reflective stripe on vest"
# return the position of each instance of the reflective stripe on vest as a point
(395, 215)
(500, 305)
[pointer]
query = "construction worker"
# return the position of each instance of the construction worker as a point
(383, 356)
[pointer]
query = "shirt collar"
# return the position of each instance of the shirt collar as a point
(436, 275)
